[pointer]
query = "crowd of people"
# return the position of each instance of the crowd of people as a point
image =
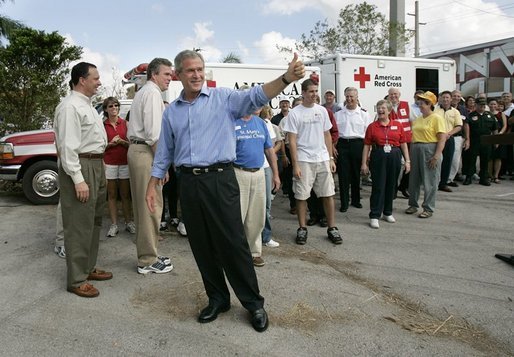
(235, 155)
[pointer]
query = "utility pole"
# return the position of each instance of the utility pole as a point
(396, 21)
(416, 28)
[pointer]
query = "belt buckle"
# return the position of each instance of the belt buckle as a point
(197, 171)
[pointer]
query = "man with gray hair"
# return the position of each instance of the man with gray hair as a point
(143, 132)
(198, 137)
(352, 122)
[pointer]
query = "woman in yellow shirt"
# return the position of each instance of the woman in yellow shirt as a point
(428, 138)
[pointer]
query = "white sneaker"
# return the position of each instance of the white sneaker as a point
(60, 251)
(130, 227)
(272, 244)
(181, 228)
(113, 230)
(373, 223)
(389, 219)
(158, 267)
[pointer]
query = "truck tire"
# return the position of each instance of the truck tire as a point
(41, 183)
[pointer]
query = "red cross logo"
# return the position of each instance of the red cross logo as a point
(362, 77)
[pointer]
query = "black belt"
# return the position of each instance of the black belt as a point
(344, 140)
(246, 168)
(89, 155)
(140, 142)
(220, 167)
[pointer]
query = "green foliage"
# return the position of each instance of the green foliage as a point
(33, 70)
(7, 25)
(360, 29)
(231, 58)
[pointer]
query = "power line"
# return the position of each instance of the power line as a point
(487, 12)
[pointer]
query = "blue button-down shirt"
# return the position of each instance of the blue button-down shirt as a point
(201, 132)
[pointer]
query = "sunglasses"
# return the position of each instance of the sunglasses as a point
(113, 105)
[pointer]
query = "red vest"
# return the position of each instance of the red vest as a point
(403, 116)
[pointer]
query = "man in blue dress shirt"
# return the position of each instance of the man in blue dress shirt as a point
(198, 137)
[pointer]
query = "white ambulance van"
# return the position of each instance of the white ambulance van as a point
(374, 75)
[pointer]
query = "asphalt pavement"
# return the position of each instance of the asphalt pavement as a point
(417, 287)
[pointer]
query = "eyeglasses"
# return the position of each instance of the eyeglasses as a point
(113, 105)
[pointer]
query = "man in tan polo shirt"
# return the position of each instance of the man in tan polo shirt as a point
(81, 141)
(143, 132)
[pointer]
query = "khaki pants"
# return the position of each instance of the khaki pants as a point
(422, 175)
(252, 188)
(140, 159)
(82, 221)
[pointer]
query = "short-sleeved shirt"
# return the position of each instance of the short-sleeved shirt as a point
(452, 117)
(252, 138)
(481, 124)
(380, 134)
(309, 125)
(116, 155)
(425, 130)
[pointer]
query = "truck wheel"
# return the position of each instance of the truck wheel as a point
(41, 183)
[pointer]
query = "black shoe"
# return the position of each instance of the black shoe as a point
(453, 184)
(405, 193)
(357, 205)
(323, 222)
(445, 188)
(334, 235)
(210, 313)
(343, 209)
(459, 178)
(312, 221)
(301, 236)
(260, 320)
(467, 181)
(484, 183)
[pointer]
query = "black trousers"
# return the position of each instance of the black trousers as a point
(170, 195)
(315, 205)
(469, 160)
(287, 180)
(348, 169)
(446, 166)
(385, 169)
(211, 211)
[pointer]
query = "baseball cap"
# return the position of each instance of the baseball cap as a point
(330, 91)
(283, 98)
(481, 101)
(428, 96)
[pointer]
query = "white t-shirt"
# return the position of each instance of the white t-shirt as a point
(309, 125)
(352, 123)
(272, 135)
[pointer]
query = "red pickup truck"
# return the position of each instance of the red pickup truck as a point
(31, 157)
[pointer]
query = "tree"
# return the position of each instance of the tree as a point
(7, 25)
(360, 29)
(231, 58)
(33, 70)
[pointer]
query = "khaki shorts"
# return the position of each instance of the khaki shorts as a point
(316, 176)
(116, 172)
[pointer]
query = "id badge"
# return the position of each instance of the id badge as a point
(387, 148)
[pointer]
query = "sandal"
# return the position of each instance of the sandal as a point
(496, 180)
(425, 214)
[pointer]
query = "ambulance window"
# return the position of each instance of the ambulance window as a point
(427, 79)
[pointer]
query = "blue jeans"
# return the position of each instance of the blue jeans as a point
(266, 232)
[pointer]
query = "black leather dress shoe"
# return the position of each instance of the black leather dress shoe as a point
(260, 320)
(357, 205)
(405, 193)
(210, 313)
(467, 181)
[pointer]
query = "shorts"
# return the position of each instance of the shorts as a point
(315, 176)
(116, 172)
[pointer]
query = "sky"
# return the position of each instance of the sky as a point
(117, 35)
